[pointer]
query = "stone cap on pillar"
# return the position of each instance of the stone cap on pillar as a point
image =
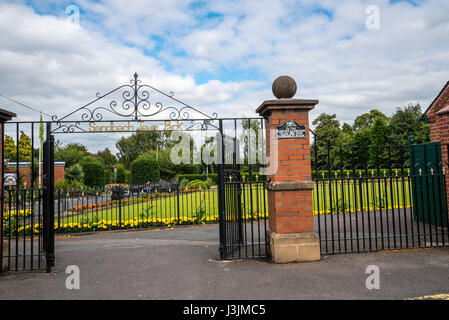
(285, 104)
(6, 115)
(284, 88)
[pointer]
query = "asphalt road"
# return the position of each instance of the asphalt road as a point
(183, 264)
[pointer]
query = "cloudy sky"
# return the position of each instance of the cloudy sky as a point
(222, 56)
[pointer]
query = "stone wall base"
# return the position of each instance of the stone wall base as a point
(4, 262)
(294, 247)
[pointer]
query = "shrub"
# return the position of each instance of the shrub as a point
(199, 184)
(253, 176)
(183, 183)
(192, 169)
(364, 173)
(144, 169)
(214, 177)
(121, 174)
(75, 172)
(94, 173)
(66, 184)
(192, 177)
(107, 176)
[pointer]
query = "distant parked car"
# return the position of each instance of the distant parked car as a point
(158, 187)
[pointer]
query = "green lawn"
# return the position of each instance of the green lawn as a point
(361, 195)
(191, 205)
(328, 196)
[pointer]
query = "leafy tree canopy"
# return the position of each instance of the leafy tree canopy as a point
(72, 153)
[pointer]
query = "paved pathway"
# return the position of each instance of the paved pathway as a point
(183, 264)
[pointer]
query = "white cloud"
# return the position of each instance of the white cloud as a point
(51, 64)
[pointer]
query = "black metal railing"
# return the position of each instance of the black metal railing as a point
(22, 224)
(81, 210)
(394, 204)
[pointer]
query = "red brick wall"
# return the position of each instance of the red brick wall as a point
(293, 154)
(439, 124)
(290, 211)
(26, 172)
(439, 132)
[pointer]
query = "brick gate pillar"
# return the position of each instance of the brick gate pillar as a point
(291, 228)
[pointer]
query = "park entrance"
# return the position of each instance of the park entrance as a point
(323, 198)
(35, 209)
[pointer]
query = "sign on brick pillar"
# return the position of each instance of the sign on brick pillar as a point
(291, 228)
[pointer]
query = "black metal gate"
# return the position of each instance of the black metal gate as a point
(243, 208)
(370, 198)
(26, 227)
(28, 203)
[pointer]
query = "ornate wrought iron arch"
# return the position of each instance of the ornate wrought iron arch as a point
(135, 105)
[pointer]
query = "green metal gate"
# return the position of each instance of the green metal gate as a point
(428, 183)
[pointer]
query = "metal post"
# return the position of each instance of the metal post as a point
(49, 204)
(221, 208)
(120, 209)
(177, 197)
(59, 210)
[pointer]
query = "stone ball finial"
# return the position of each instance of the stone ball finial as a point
(284, 87)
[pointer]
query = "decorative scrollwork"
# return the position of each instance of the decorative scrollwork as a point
(202, 125)
(134, 103)
(68, 127)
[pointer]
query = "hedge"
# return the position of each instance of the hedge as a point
(359, 172)
(94, 173)
(121, 174)
(191, 177)
(214, 177)
(144, 169)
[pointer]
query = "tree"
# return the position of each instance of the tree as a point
(406, 122)
(72, 153)
(360, 145)
(327, 127)
(168, 170)
(129, 148)
(144, 169)
(343, 154)
(10, 148)
(106, 158)
(327, 131)
(367, 120)
(379, 136)
(24, 147)
(251, 143)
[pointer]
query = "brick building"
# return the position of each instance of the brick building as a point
(24, 167)
(25, 171)
(437, 115)
(4, 116)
